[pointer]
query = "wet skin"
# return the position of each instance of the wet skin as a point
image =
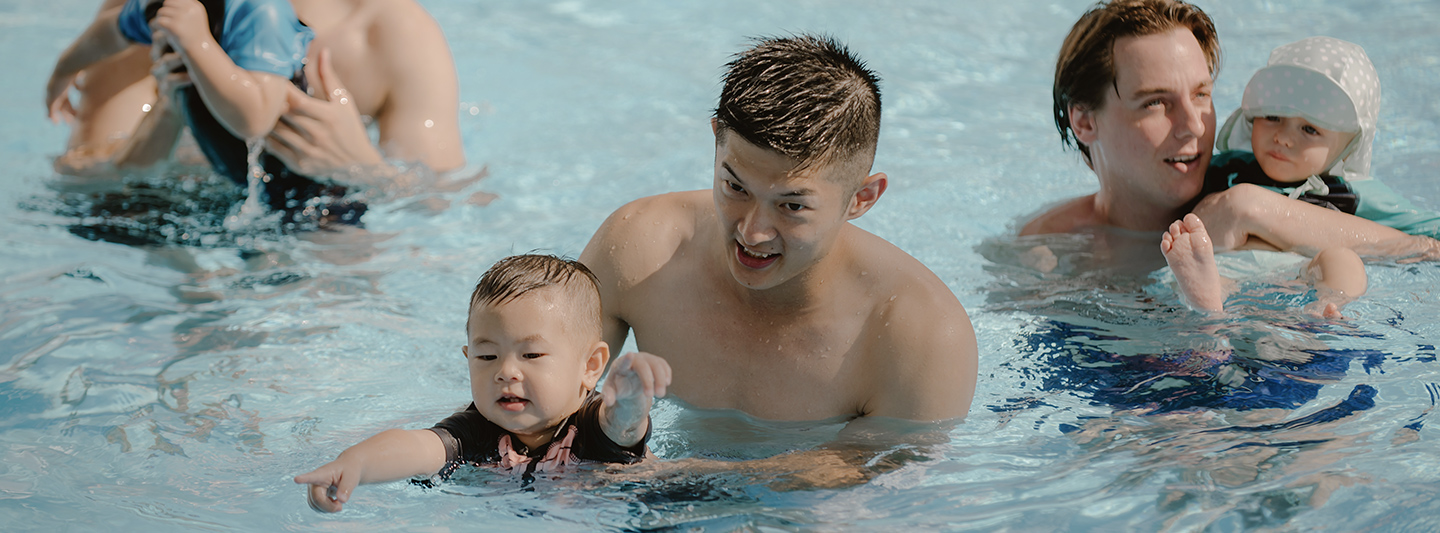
(764, 298)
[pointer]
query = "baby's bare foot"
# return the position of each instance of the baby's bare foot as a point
(1191, 257)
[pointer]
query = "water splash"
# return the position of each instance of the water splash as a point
(253, 209)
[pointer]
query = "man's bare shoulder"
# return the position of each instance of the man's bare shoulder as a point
(641, 236)
(923, 351)
(1067, 217)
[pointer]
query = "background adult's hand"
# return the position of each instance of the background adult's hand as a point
(323, 136)
(57, 98)
(167, 80)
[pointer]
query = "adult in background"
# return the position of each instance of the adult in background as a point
(1132, 92)
(384, 59)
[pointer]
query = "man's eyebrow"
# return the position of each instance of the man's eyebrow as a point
(726, 165)
(799, 192)
(1145, 93)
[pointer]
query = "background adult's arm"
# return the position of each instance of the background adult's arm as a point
(1251, 216)
(101, 40)
(418, 114)
(420, 119)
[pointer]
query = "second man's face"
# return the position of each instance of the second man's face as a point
(1153, 136)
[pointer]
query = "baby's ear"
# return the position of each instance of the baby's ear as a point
(595, 362)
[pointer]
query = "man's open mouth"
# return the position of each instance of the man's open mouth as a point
(751, 259)
(1183, 163)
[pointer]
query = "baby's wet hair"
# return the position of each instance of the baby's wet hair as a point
(515, 276)
(806, 97)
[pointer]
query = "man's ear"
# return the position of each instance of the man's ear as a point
(715, 126)
(595, 362)
(1082, 122)
(465, 351)
(869, 193)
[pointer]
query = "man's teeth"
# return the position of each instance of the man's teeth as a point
(1185, 159)
(754, 254)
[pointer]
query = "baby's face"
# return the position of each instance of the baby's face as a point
(1291, 149)
(528, 370)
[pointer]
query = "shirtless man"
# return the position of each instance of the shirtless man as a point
(379, 58)
(1132, 93)
(760, 292)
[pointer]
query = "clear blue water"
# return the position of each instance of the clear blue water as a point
(180, 386)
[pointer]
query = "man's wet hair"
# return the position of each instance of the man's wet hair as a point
(1086, 66)
(804, 96)
(515, 276)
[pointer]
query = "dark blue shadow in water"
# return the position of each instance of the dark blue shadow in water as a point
(1190, 379)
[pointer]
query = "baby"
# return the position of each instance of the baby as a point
(535, 355)
(1304, 129)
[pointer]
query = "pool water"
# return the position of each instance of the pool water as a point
(160, 371)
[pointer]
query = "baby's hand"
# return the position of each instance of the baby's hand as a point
(635, 380)
(636, 376)
(184, 22)
(330, 485)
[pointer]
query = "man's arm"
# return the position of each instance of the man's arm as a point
(419, 120)
(99, 41)
(928, 367)
(1250, 216)
(391, 455)
(418, 117)
(604, 257)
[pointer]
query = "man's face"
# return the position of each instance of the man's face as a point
(1151, 140)
(528, 371)
(778, 224)
(1291, 149)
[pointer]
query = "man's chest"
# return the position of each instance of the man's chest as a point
(726, 357)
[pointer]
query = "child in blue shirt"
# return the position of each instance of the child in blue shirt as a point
(240, 56)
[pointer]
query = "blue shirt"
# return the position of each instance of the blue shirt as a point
(258, 35)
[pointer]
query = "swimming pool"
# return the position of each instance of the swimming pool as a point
(181, 386)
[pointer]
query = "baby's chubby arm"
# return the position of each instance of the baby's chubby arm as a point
(1249, 216)
(248, 103)
(635, 380)
(391, 455)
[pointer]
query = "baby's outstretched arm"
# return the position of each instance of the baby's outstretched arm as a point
(391, 455)
(635, 380)
(247, 102)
